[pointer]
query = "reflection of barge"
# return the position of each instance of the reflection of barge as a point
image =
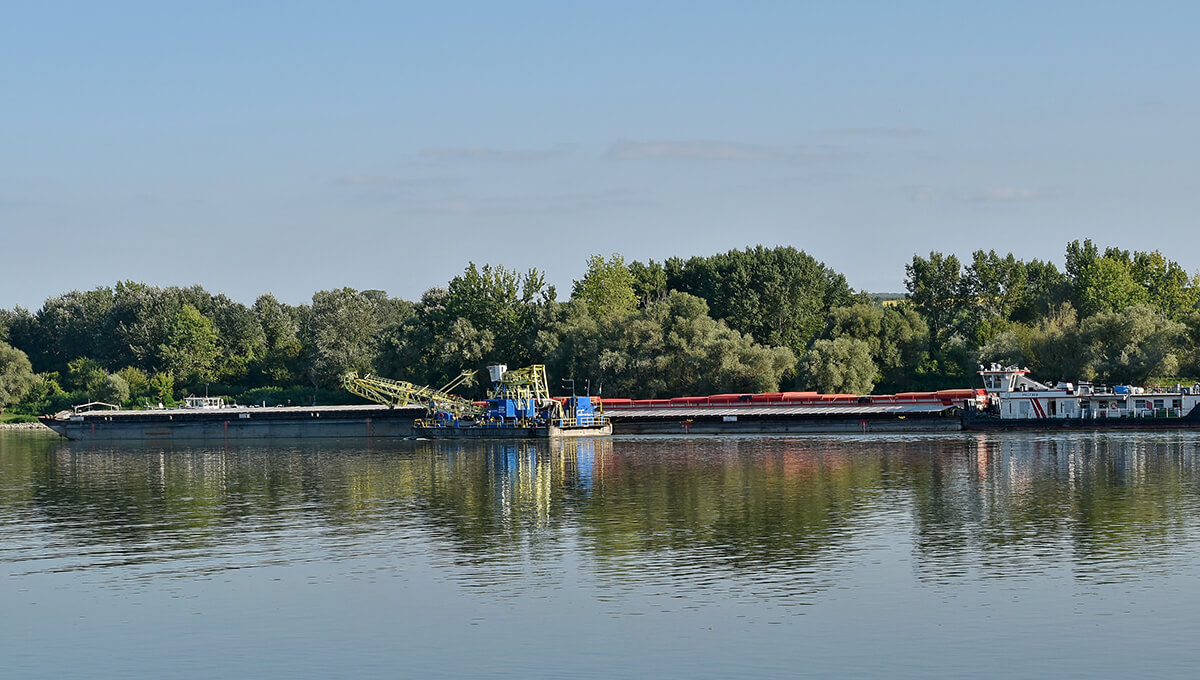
(1016, 402)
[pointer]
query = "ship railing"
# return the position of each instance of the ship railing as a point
(597, 420)
(1096, 414)
(494, 424)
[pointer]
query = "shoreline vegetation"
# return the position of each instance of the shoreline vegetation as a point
(753, 320)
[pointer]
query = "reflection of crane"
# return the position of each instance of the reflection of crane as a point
(401, 393)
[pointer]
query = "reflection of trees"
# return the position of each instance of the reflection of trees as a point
(752, 500)
(749, 501)
(1003, 504)
(999, 503)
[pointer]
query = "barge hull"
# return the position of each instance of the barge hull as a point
(975, 421)
(1082, 424)
(226, 424)
(828, 425)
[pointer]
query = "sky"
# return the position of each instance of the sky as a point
(292, 147)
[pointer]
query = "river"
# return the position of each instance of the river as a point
(953, 555)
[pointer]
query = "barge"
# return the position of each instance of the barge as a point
(438, 415)
(209, 419)
(793, 412)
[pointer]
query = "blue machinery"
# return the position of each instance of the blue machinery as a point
(519, 398)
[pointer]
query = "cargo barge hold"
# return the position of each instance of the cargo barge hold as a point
(784, 419)
(235, 422)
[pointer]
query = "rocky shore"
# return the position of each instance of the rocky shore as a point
(35, 427)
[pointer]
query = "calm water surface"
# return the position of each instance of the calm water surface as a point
(875, 556)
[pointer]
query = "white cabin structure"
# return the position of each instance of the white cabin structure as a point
(203, 402)
(1014, 396)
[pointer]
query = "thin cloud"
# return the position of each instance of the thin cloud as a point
(922, 194)
(894, 131)
(689, 150)
(531, 204)
(394, 182)
(1014, 195)
(711, 151)
(999, 195)
(490, 154)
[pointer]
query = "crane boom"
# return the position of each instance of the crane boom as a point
(401, 393)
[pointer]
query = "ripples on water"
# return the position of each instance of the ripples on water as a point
(851, 555)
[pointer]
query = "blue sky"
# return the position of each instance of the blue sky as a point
(291, 147)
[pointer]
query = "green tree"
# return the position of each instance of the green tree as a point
(345, 335)
(778, 296)
(486, 315)
(162, 389)
(1010, 347)
(1057, 347)
(72, 325)
(191, 348)
(670, 347)
(1107, 285)
(1046, 289)
(649, 281)
(897, 337)
(1119, 279)
(935, 289)
(16, 375)
(1080, 256)
(282, 363)
(607, 287)
(137, 381)
(114, 390)
(139, 324)
(85, 375)
(839, 366)
(240, 337)
(1131, 345)
(992, 287)
(1168, 287)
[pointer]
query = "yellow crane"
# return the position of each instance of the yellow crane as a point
(527, 386)
(400, 393)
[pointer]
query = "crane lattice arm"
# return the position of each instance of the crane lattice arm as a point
(401, 393)
(528, 384)
(525, 383)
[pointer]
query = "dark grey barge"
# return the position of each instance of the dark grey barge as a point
(282, 422)
(784, 419)
(236, 422)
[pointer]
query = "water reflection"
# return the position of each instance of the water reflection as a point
(1114, 506)
(789, 515)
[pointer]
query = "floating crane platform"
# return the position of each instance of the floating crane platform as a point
(519, 406)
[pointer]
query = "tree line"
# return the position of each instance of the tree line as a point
(751, 320)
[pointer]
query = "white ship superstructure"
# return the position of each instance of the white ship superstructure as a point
(1013, 395)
